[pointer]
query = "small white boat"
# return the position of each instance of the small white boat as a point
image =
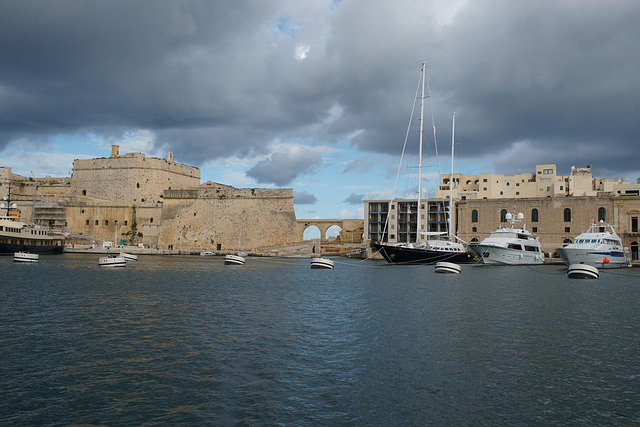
(233, 260)
(25, 257)
(583, 271)
(112, 261)
(207, 253)
(447, 267)
(129, 257)
(324, 263)
(599, 246)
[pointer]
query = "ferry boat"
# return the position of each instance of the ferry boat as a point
(599, 247)
(17, 236)
(510, 245)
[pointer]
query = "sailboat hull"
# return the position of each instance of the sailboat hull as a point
(405, 255)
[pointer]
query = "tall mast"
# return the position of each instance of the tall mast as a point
(420, 151)
(453, 132)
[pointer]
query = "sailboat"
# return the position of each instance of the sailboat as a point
(438, 246)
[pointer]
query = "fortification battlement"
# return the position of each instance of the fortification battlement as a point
(227, 192)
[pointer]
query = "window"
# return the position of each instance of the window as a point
(567, 215)
(125, 222)
(474, 215)
(484, 180)
(634, 224)
(97, 222)
(567, 229)
(534, 215)
(534, 229)
(87, 223)
(503, 215)
(474, 229)
(602, 214)
(106, 222)
(548, 172)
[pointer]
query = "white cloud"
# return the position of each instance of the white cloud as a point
(302, 51)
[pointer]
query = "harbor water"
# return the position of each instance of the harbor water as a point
(187, 340)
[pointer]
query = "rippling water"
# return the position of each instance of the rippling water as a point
(187, 340)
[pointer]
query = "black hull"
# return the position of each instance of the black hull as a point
(6, 249)
(404, 255)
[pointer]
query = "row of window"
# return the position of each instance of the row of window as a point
(535, 216)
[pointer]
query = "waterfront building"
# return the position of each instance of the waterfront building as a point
(556, 208)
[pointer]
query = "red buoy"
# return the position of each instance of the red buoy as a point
(605, 260)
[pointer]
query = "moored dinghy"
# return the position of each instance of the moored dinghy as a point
(129, 257)
(233, 260)
(112, 261)
(583, 271)
(323, 263)
(25, 257)
(447, 267)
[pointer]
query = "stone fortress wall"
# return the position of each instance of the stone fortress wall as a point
(130, 178)
(158, 203)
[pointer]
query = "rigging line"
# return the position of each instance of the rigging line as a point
(618, 274)
(433, 124)
(406, 138)
(544, 272)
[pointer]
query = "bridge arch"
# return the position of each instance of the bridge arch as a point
(352, 229)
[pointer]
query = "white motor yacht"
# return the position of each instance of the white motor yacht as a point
(599, 247)
(510, 245)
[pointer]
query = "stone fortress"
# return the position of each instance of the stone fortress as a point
(137, 200)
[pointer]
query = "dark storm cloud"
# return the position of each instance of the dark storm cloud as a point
(303, 198)
(283, 167)
(550, 81)
(354, 199)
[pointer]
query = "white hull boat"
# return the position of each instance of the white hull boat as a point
(112, 261)
(582, 271)
(129, 257)
(510, 246)
(25, 257)
(447, 268)
(323, 263)
(207, 253)
(233, 260)
(496, 255)
(599, 247)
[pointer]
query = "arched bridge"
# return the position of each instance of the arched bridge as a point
(352, 229)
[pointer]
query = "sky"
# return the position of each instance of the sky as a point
(317, 95)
